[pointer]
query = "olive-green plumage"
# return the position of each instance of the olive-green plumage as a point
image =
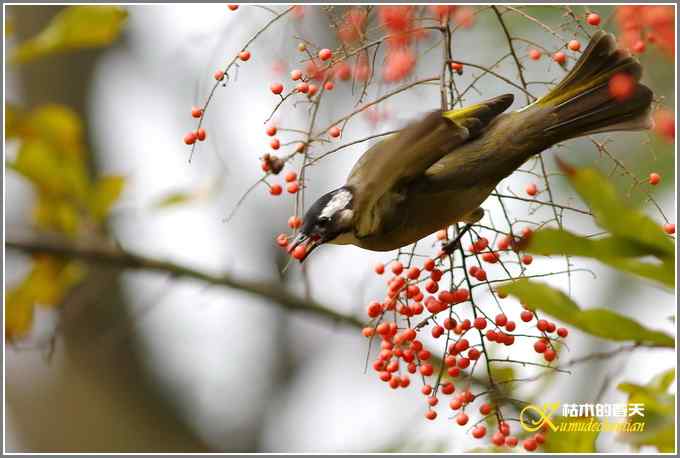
(438, 171)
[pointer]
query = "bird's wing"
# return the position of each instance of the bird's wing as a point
(398, 160)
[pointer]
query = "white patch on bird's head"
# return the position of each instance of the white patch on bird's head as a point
(338, 202)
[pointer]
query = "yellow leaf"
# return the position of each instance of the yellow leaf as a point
(13, 117)
(106, 192)
(75, 27)
(46, 285)
(59, 126)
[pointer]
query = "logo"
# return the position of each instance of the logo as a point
(582, 417)
(532, 417)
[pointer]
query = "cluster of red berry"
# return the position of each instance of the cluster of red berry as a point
(641, 24)
(410, 293)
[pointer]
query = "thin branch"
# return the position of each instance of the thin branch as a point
(115, 257)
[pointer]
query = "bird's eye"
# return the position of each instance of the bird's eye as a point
(323, 221)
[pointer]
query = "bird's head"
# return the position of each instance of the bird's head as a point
(329, 217)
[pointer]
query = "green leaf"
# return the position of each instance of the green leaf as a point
(598, 322)
(75, 27)
(612, 213)
(615, 251)
(106, 192)
(659, 409)
(567, 441)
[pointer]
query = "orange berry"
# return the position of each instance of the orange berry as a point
(196, 112)
(574, 45)
(560, 57)
(325, 54)
(275, 189)
(534, 54)
(244, 55)
(654, 179)
(593, 19)
(334, 131)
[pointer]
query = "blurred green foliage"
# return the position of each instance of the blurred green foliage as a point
(659, 412)
(74, 28)
(52, 156)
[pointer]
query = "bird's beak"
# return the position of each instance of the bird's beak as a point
(309, 243)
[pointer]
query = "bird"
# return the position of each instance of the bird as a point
(439, 169)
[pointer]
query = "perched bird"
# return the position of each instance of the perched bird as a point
(439, 170)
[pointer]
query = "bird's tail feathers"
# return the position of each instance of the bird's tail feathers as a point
(586, 101)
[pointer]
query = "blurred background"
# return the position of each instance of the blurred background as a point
(138, 361)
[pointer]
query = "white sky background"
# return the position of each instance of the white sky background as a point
(214, 348)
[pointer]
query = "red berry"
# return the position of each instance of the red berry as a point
(534, 54)
(312, 89)
(480, 323)
(485, 409)
(560, 57)
(200, 134)
(196, 112)
(271, 131)
(448, 388)
(549, 354)
(275, 143)
(329, 85)
(244, 55)
(527, 259)
(296, 75)
(639, 47)
(474, 354)
(325, 54)
(282, 240)
(498, 439)
(526, 316)
(511, 441)
(426, 390)
(462, 418)
(574, 45)
(654, 179)
(539, 438)
(219, 75)
(501, 319)
(669, 228)
(621, 86)
(542, 325)
(593, 19)
(562, 332)
(429, 265)
(190, 138)
(290, 176)
(397, 268)
(530, 445)
(293, 187)
(379, 268)
(275, 189)
(457, 67)
(510, 326)
(432, 401)
(276, 88)
(294, 222)
(503, 428)
(368, 332)
(334, 131)
(540, 346)
(437, 331)
(430, 414)
(302, 87)
(232, 7)
(531, 189)
(426, 369)
(551, 327)
(299, 252)
(479, 431)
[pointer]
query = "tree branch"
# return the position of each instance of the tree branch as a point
(115, 257)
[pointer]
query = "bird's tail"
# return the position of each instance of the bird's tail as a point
(601, 93)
